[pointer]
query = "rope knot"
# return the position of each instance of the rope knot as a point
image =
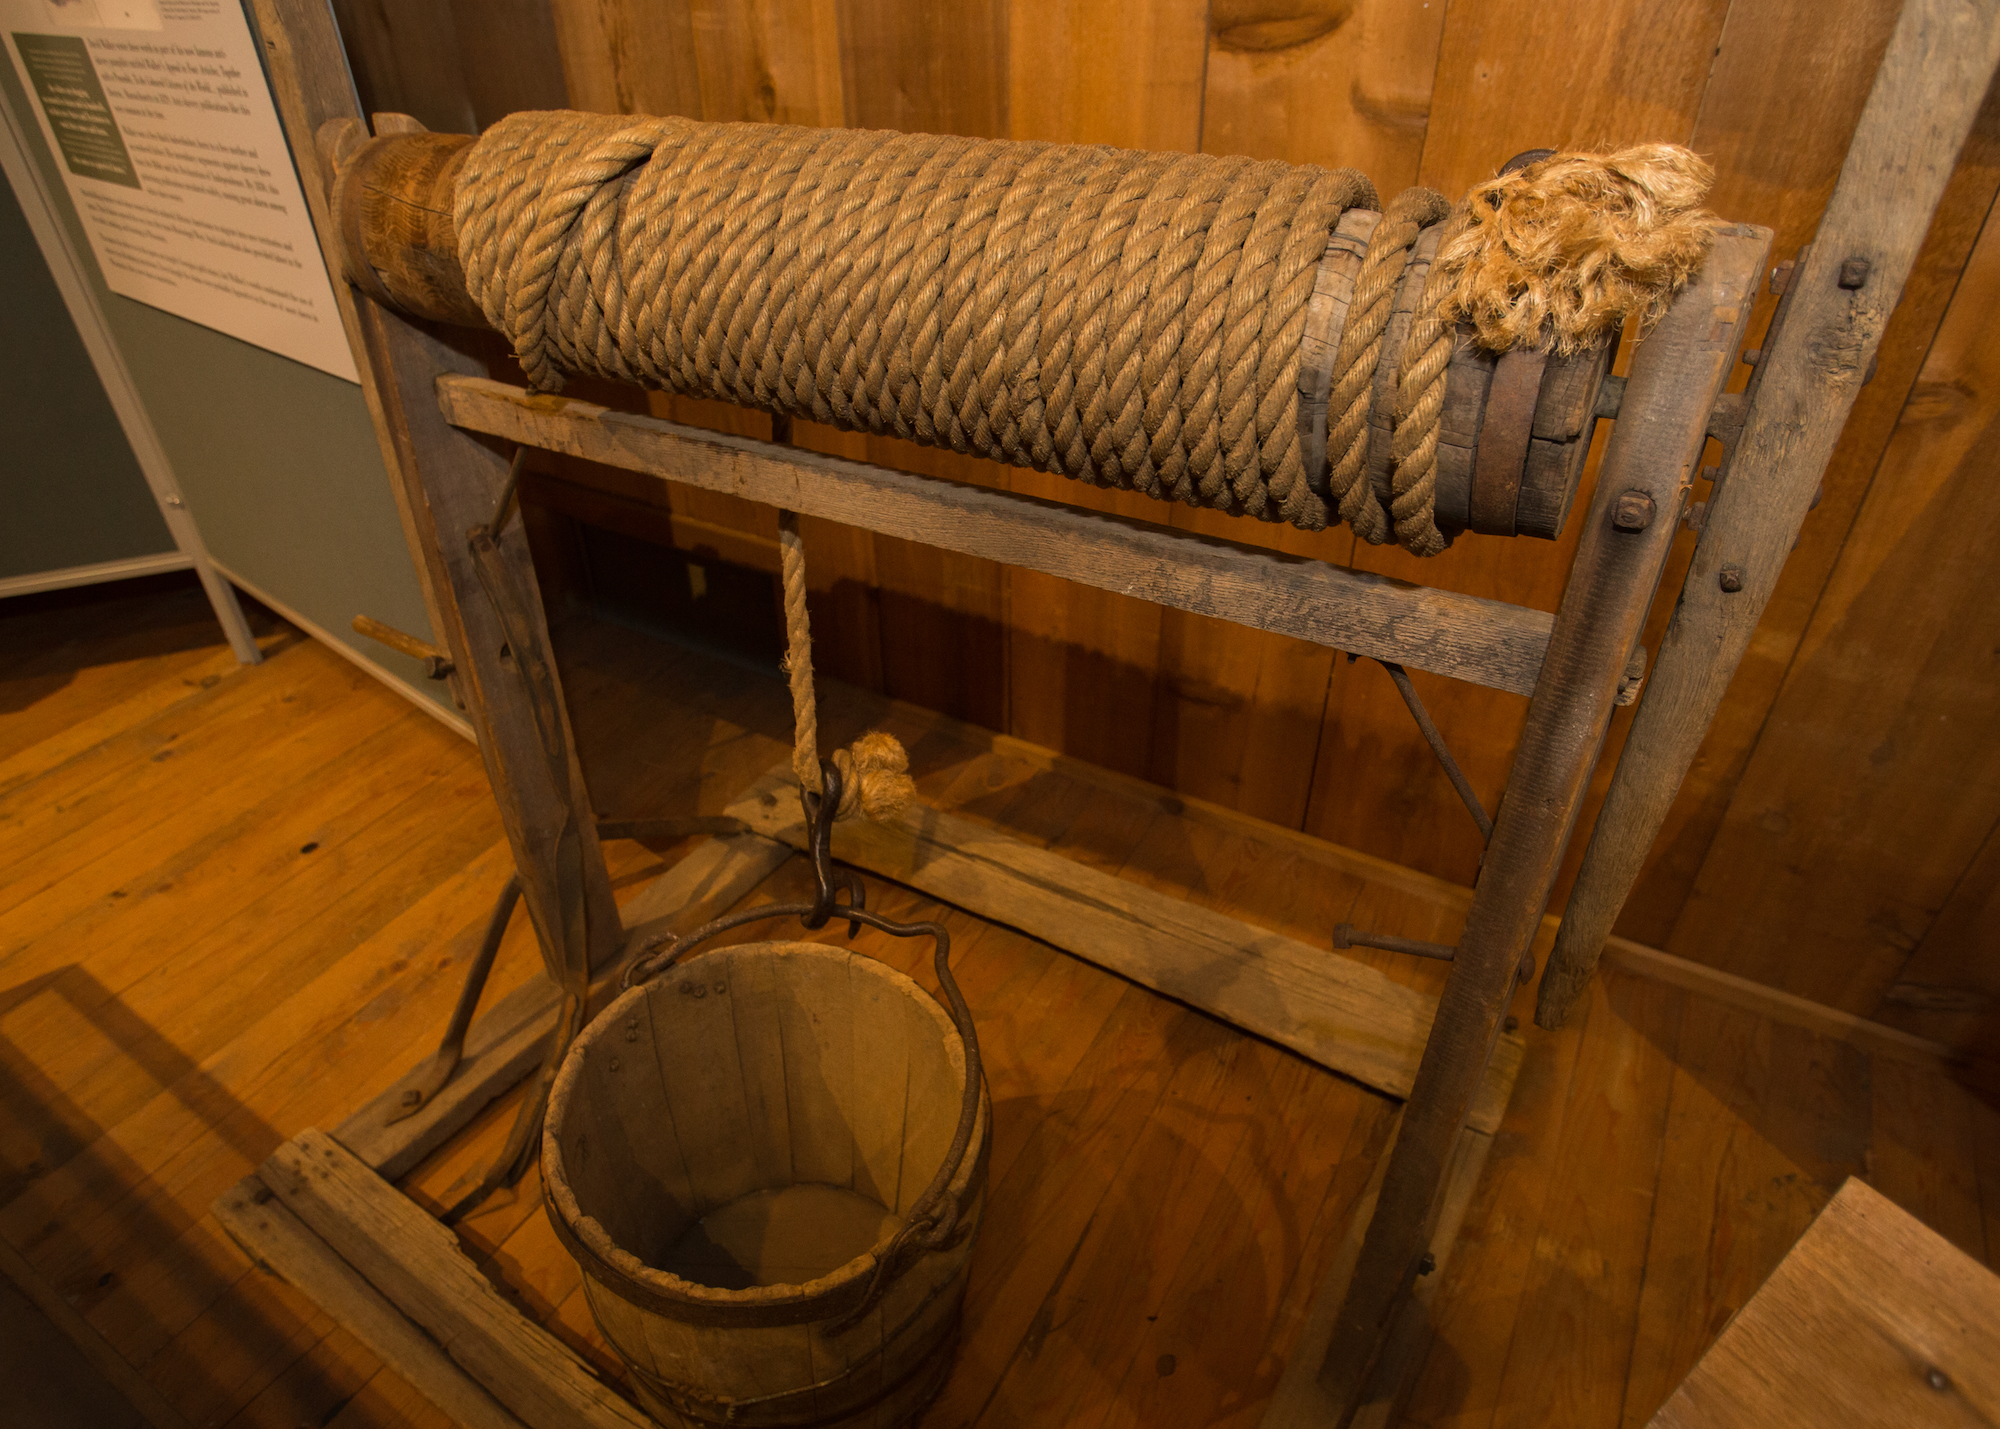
(1562, 251)
(874, 778)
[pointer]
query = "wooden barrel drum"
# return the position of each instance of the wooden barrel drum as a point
(730, 1153)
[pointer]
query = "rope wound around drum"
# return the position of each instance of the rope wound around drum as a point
(1136, 320)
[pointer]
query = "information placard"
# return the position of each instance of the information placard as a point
(170, 145)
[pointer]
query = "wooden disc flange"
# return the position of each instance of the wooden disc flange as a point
(392, 199)
(1529, 424)
(1326, 317)
(1514, 431)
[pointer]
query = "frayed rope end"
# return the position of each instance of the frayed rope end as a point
(1564, 250)
(874, 778)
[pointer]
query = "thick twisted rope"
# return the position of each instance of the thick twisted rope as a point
(1130, 319)
(1361, 350)
(1420, 391)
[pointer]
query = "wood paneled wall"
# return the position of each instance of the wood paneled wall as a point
(1840, 835)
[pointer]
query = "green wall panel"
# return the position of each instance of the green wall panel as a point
(277, 461)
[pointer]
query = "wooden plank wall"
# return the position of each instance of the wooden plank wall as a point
(1840, 835)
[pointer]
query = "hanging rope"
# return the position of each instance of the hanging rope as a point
(874, 771)
(1126, 318)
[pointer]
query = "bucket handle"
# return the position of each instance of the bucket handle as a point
(933, 1220)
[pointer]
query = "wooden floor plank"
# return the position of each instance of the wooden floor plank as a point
(1202, 1180)
(256, 893)
(1478, 1306)
(184, 765)
(1922, 1157)
(1043, 1204)
(227, 1355)
(102, 656)
(1086, 1332)
(1575, 1322)
(288, 1083)
(1764, 1123)
(129, 694)
(1288, 1193)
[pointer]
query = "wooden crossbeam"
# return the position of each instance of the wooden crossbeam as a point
(1342, 1014)
(1485, 642)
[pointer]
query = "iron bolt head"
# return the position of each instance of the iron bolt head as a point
(1854, 273)
(1730, 578)
(1634, 511)
(1428, 1264)
(1937, 1379)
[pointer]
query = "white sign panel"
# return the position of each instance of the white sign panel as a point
(158, 113)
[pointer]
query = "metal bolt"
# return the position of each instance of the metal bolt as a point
(1937, 1379)
(614, 1064)
(1854, 273)
(1428, 1264)
(722, 987)
(1634, 511)
(1730, 578)
(701, 989)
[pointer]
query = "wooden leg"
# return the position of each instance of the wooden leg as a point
(1927, 93)
(447, 482)
(1676, 376)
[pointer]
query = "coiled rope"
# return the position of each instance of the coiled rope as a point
(1126, 318)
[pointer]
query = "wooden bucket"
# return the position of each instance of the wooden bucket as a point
(732, 1154)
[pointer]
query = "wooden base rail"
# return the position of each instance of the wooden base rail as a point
(1485, 642)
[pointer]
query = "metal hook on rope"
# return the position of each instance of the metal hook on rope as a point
(820, 810)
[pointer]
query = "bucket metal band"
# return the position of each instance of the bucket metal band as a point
(783, 1407)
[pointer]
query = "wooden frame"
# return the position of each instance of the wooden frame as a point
(436, 415)
(1487, 642)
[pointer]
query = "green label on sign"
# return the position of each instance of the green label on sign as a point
(60, 69)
